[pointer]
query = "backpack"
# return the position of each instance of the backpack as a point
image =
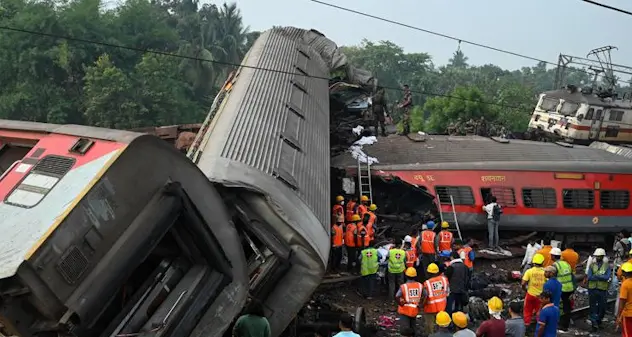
(496, 212)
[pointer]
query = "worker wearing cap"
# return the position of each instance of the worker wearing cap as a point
(443, 321)
(495, 325)
(598, 277)
(369, 220)
(445, 239)
(624, 314)
(566, 277)
(350, 242)
(444, 261)
(338, 210)
(368, 269)
(533, 281)
(434, 296)
(428, 247)
(408, 297)
(396, 267)
(337, 241)
(364, 205)
(460, 321)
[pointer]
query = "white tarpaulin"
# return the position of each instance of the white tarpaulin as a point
(358, 154)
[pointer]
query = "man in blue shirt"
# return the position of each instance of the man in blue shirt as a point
(552, 285)
(548, 318)
(345, 324)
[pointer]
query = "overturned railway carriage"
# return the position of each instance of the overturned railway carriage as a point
(553, 187)
(108, 233)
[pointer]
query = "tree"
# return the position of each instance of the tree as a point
(463, 103)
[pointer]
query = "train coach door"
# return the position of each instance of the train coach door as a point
(595, 126)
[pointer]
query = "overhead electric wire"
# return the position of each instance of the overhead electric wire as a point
(157, 52)
(608, 7)
(476, 44)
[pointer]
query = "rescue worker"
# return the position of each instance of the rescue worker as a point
(368, 269)
(546, 253)
(337, 241)
(338, 210)
(363, 239)
(620, 275)
(380, 110)
(571, 256)
(443, 322)
(363, 207)
(408, 297)
(533, 281)
(406, 105)
(434, 296)
(624, 314)
(598, 276)
(460, 320)
(444, 261)
(466, 253)
(566, 277)
(396, 267)
(428, 249)
(495, 325)
(411, 254)
(621, 248)
(350, 242)
(445, 239)
(351, 209)
(369, 220)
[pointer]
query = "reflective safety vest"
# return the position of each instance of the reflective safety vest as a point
(428, 242)
(368, 262)
(414, 242)
(362, 209)
(437, 289)
(600, 285)
(411, 258)
(411, 296)
(351, 208)
(362, 236)
(336, 236)
(466, 261)
(565, 276)
(445, 241)
(396, 261)
(337, 210)
(350, 240)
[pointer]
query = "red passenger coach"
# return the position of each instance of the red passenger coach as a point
(555, 187)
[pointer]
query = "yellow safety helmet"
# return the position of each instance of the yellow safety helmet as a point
(340, 198)
(459, 319)
(433, 268)
(538, 259)
(411, 272)
(373, 207)
(364, 198)
(443, 319)
(445, 224)
(495, 304)
(627, 267)
(355, 217)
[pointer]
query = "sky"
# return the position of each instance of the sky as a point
(539, 28)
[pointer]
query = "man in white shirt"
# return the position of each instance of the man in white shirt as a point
(492, 223)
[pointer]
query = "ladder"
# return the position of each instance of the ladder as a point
(364, 179)
(450, 216)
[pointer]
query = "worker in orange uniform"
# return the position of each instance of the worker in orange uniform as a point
(428, 249)
(624, 314)
(533, 281)
(466, 253)
(338, 210)
(364, 205)
(570, 256)
(408, 297)
(434, 296)
(337, 241)
(411, 254)
(546, 253)
(363, 240)
(369, 220)
(350, 243)
(445, 239)
(620, 275)
(351, 209)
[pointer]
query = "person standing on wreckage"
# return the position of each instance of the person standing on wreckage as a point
(406, 105)
(428, 247)
(380, 111)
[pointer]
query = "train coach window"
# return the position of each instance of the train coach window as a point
(578, 199)
(539, 198)
(612, 131)
(462, 195)
(504, 195)
(615, 199)
(616, 115)
(589, 114)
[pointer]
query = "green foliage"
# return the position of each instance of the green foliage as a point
(463, 103)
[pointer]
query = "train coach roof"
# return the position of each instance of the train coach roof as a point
(466, 152)
(71, 130)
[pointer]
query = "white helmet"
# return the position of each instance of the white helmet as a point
(408, 239)
(599, 252)
(424, 227)
(556, 251)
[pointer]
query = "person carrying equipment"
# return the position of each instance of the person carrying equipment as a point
(445, 239)
(396, 267)
(533, 281)
(408, 297)
(368, 269)
(434, 296)
(566, 277)
(598, 276)
(350, 242)
(428, 248)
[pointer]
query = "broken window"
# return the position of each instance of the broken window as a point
(462, 195)
(579, 198)
(615, 199)
(616, 115)
(505, 196)
(539, 198)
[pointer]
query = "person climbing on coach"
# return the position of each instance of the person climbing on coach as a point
(566, 277)
(408, 297)
(434, 296)
(445, 239)
(337, 241)
(350, 243)
(396, 267)
(428, 248)
(338, 210)
(533, 281)
(363, 207)
(493, 211)
(598, 277)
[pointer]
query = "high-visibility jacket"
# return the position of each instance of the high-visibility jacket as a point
(337, 236)
(351, 210)
(362, 236)
(362, 209)
(413, 243)
(371, 223)
(620, 272)
(396, 261)
(565, 275)
(411, 296)
(437, 290)
(445, 240)
(368, 261)
(428, 242)
(601, 285)
(337, 210)
(466, 261)
(411, 257)
(350, 240)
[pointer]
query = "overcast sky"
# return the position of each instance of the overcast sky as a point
(538, 28)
